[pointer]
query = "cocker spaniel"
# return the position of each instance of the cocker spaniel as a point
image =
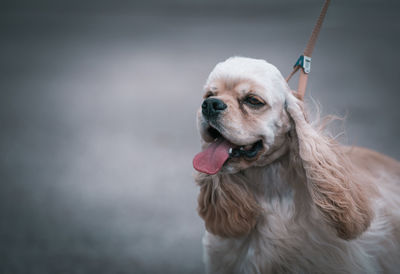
(279, 196)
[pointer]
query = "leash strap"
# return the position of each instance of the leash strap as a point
(304, 61)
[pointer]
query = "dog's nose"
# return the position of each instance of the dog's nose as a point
(211, 107)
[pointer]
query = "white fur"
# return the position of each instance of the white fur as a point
(260, 71)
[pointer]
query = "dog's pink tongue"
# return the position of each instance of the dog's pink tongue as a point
(212, 159)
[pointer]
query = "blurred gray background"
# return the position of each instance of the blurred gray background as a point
(97, 116)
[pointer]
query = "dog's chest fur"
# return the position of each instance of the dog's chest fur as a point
(289, 237)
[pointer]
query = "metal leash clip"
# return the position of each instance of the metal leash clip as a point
(304, 62)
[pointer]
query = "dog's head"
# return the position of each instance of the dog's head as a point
(242, 119)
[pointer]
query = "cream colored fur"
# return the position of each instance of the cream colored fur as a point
(307, 204)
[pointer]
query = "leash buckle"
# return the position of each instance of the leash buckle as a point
(304, 62)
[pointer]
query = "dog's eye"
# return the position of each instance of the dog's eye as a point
(254, 101)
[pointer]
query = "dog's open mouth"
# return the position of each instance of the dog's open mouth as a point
(212, 158)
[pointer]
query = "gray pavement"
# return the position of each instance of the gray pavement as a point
(97, 118)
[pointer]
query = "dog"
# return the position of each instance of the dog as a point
(277, 194)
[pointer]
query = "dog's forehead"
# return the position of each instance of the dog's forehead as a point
(240, 71)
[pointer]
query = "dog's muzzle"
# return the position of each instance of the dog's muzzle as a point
(212, 107)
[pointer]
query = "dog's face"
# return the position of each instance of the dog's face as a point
(242, 120)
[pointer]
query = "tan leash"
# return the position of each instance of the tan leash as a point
(304, 61)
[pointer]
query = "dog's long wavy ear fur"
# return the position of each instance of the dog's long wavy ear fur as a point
(334, 186)
(227, 207)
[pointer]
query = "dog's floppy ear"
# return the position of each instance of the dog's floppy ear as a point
(228, 208)
(335, 188)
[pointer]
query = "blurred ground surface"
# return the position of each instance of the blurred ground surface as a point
(97, 120)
